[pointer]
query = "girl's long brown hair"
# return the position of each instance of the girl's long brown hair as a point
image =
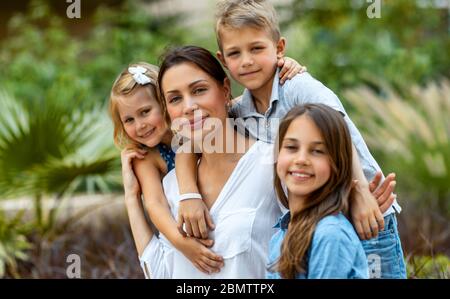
(331, 198)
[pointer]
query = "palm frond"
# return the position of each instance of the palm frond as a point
(50, 148)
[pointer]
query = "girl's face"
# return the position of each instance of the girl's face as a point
(195, 101)
(142, 118)
(303, 162)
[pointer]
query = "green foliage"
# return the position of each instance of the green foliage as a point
(51, 150)
(13, 243)
(412, 137)
(343, 47)
(429, 267)
(55, 135)
(42, 59)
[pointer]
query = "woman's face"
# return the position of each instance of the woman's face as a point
(142, 118)
(196, 102)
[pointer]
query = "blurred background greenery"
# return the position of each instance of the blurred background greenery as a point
(392, 74)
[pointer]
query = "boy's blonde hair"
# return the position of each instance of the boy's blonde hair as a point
(236, 14)
(126, 85)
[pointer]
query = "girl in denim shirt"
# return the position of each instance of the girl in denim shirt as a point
(315, 239)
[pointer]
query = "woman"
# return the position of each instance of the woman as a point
(236, 185)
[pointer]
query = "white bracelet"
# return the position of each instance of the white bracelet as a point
(190, 196)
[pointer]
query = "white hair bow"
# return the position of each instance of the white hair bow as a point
(139, 76)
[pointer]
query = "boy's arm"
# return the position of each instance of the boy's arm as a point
(192, 212)
(158, 209)
(365, 213)
(369, 200)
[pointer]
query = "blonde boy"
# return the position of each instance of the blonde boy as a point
(250, 42)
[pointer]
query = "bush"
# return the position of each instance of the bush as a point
(42, 59)
(410, 137)
(429, 267)
(55, 136)
(344, 48)
(13, 244)
(105, 248)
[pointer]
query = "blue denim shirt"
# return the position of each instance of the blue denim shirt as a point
(335, 250)
(301, 89)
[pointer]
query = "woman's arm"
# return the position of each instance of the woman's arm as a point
(149, 176)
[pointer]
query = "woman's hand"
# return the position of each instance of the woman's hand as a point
(200, 255)
(130, 182)
(194, 214)
(289, 68)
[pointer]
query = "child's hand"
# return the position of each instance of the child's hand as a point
(195, 215)
(200, 255)
(384, 196)
(290, 68)
(385, 192)
(130, 182)
(365, 213)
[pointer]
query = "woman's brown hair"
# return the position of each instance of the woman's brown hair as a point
(331, 198)
(198, 56)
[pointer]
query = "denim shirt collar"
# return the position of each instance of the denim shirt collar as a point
(247, 99)
(283, 221)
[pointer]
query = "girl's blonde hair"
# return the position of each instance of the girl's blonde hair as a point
(331, 198)
(126, 85)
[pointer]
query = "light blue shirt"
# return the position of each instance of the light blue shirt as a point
(301, 89)
(335, 250)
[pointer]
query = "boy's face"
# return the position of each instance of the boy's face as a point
(250, 55)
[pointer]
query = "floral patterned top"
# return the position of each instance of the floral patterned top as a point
(168, 155)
